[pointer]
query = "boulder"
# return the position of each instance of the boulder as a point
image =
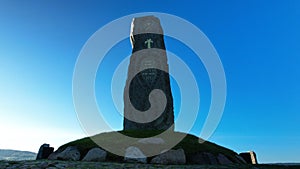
(249, 157)
(212, 158)
(170, 157)
(240, 159)
(69, 154)
(134, 154)
(95, 154)
(202, 158)
(44, 152)
(223, 160)
(53, 156)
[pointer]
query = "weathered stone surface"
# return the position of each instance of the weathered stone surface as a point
(44, 151)
(223, 159)
(151, 141)
(146, 24)
(249, 157)
(134, 154)
(202, 158)
(53, 156)
(170, 157)
(70, 154)
(146, 108)
(240, 159)
(95, 154)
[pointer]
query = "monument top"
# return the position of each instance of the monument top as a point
(146, 24)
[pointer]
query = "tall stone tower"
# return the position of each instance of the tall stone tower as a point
(148, 102)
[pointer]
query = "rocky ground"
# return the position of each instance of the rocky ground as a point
(46, 164)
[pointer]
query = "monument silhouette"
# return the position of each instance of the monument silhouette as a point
(148, 116)
(148, 70)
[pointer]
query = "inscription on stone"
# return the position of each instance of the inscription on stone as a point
(148, 71)
(148, 42)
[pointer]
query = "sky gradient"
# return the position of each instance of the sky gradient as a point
(257, 42)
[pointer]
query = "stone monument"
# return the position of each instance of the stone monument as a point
(44, 151)
(249, 157)
(148, 102)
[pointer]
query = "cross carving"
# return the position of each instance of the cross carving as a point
(148, 42)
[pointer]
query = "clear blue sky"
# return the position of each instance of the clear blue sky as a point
(257, 41)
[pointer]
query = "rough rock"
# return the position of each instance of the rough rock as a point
(95, 154)
(44, 152)
(249, 157)
(134, 154)
(44, 164)
(170, 157)
(53, 156)
(69, 154)
(212, 159)
(151, 140)
(241, 160)
(223, 159)
(202, 158)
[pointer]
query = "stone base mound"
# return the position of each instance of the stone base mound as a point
(188, 151)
